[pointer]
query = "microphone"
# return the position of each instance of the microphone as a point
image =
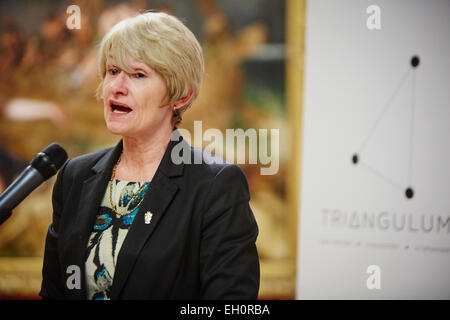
(44, 165)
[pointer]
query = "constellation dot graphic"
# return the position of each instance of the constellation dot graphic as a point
(357, 158)
(409, 193)
(415, 61)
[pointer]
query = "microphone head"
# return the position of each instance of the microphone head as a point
(56, 154)
(49, 160)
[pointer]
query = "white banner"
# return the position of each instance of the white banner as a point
(375, 177)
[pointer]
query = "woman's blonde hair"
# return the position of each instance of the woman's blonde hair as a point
(162, 42)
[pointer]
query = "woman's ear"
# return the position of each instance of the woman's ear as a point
(183, 101)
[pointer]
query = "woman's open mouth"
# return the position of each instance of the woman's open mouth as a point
(119, 108)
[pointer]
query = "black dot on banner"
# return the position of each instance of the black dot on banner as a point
(355, 158)
(409, 193)
(415, 61)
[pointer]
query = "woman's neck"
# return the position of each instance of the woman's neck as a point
(141, 157)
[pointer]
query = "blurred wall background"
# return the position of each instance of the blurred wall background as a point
(47, 86)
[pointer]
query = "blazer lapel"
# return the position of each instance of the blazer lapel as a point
(91, 196)
(159, 195)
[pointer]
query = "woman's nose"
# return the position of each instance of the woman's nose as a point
(119, 85)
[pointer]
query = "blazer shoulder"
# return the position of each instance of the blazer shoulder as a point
(212, 167)
(79, 164)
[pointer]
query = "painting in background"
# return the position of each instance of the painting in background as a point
(47, 94)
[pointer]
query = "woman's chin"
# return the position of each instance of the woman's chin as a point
(117, 130)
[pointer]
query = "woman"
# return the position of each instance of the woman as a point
(132, 222)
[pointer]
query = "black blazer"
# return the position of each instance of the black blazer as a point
(200, 243)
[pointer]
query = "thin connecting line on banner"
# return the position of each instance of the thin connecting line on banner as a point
(411, 133)
(410, 73)
(388, 104)
(381, 176)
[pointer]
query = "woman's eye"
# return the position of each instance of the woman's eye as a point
(113, 71)
(139, 75)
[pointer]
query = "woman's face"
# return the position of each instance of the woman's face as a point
(132, 101)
